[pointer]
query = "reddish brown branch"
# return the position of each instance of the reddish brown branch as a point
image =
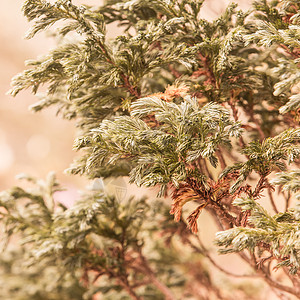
(272, 200)
(207, 71)
(174, 72)
(204, 251)
(293, 279)
(157, 283)
(262, 271)
(129, 290)
(132, 89)
(277, 285)
(234, 110)
(259, 187)
(228, 221)
(294, 53)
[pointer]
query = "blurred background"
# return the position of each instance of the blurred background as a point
(30, 143)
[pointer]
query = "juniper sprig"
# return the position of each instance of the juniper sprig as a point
(206, 113)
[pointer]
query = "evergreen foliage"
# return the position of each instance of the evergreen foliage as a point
(205, 111)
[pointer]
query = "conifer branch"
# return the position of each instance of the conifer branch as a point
(163, 288)
(163, 104)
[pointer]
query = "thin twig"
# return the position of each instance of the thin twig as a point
(259, 186)
(132, 90)
(129, 290)
(275, 284)
(216, 218)
(272, 200)
(204, 251)
(174, 72)
(279, 294)
(234, 110)
(159, 285)
(222, 212)
(292, 278)
(264, 274)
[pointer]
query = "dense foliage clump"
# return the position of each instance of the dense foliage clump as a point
(206, 111)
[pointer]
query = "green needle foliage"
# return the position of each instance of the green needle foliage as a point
(204, 112)
(278, 233)
(186, 133)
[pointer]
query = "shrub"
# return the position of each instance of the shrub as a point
(206, 111)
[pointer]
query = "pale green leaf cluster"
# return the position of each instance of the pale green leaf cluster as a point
(45, 280)
(90, 78)
(186, 133)
(288, 181)
(272, 31)
(267, 34)
(278, 233)
(44, 14)
(267, 156)
(97, 232)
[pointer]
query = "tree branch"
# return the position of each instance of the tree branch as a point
(159, 285)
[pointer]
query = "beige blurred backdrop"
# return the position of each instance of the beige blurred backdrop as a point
(30, 143)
